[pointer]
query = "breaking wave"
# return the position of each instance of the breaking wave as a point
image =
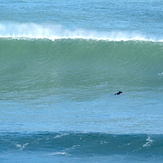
(65, 63)
(53, 32)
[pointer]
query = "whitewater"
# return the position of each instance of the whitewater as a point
(61, 63)
(53, 31)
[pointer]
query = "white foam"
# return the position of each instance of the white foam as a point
(21, 146)
(160, 74)
(58, 153)
(61, 135)
(148, 143)
(53, 32)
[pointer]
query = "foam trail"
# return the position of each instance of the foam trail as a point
(52, 32)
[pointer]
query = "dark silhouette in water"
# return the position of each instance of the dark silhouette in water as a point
(118, 93)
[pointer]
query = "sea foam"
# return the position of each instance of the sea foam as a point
(54, 31)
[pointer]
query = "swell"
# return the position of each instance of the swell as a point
(32, 64)
(79, 143)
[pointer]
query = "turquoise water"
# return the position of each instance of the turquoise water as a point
(61, 62)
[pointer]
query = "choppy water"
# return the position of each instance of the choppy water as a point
(60, 65)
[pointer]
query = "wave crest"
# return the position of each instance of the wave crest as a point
(52, 32)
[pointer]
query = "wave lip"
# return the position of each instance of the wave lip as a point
(53, 32)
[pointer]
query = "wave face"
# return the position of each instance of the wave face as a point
(84, 144)
(74, 80)
(37, 64)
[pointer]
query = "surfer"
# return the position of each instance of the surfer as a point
(118, 93)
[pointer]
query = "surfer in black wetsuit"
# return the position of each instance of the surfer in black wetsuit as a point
(118, 93)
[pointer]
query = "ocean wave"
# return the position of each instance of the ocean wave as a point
(53, 32)
(78, 143)
(38, 64)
